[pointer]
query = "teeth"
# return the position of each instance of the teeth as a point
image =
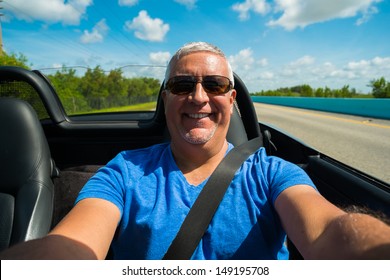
(198, 116)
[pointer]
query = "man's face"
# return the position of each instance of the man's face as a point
(199, 117)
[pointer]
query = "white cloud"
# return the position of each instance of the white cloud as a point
(253, 71)
(190, 4)
(358, 65)
(147, 28)
(363, 70)
(257, 6)
(382, 62)
(297, 67)
(367, 15)
(357, 74)
(243, 60)
(262, 62)
(301, 13)
(374, 68)
(303, 61)
(160, 58)
(49, 11)
(128, 3)
(266, 75)
(97, 34)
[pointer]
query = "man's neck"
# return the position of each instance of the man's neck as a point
(197, 162)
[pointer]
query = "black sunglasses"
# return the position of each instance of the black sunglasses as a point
(214, 84)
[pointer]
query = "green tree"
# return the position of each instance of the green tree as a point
(328, 92)
(116, 88)
(306, 91)
(94, 88)
(319, 92)
(380, 88)
(66, 84)
(14, 60)
(346, 92)
(140, 90)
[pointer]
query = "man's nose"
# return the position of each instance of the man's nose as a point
(199, 95)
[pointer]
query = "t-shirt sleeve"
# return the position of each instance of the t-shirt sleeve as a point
(281, 174)
(107, 183)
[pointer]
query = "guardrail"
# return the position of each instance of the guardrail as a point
(370, 107)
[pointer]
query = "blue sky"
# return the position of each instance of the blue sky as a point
(270, 44)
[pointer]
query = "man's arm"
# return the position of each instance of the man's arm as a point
(85, 233)
(320, 230)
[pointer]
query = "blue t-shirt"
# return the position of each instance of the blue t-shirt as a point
(154, 197)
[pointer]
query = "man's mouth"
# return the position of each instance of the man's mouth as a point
(198, 116)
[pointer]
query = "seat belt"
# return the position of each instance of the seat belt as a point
(201, 213)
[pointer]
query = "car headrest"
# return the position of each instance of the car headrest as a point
(236, 133)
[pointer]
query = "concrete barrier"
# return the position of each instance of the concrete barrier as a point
(370, 107)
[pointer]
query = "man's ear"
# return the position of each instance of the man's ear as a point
(233, 94)
(164, 99)
(164, 95)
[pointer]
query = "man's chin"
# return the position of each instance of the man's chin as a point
(198, 135)
(197, 139)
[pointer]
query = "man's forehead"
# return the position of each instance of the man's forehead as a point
(200, 61)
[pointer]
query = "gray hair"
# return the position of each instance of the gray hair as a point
(197, 47)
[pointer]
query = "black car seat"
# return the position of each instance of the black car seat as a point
(26, 186)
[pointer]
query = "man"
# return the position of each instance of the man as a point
(139, 200)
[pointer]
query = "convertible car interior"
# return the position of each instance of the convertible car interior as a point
(47, 156)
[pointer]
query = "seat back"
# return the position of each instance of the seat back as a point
(26, 186)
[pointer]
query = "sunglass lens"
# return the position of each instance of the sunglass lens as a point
(181, 85)
(216, 84)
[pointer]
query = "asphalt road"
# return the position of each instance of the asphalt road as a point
(360, 142)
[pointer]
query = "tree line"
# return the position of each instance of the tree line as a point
(96, 90)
